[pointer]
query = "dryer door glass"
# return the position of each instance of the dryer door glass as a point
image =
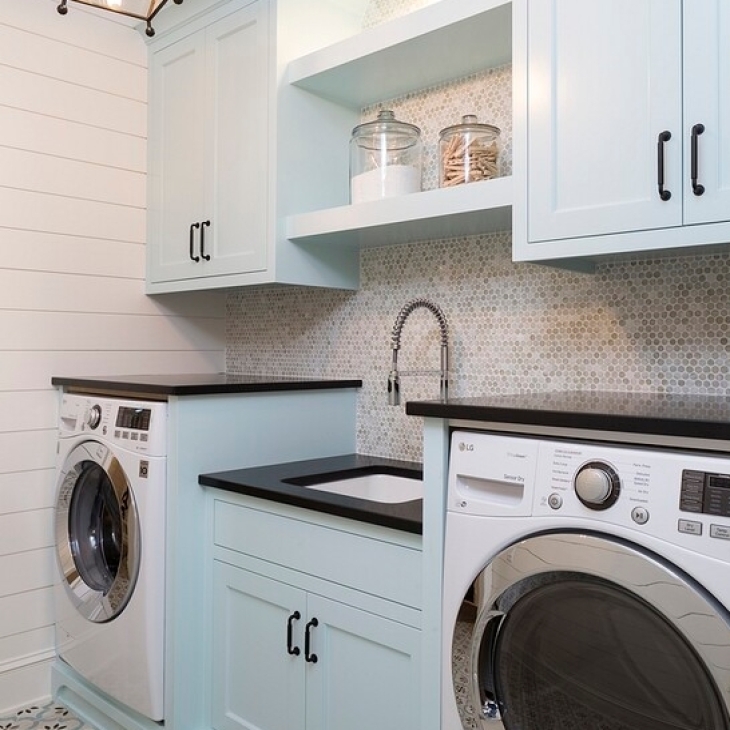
(577, 630)
(97, 533)
(95, 528)
(583, 653)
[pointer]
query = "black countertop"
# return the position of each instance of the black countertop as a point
(686, 416)
(269, 482)
(197, 384)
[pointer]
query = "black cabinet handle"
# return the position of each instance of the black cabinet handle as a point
(193, 226)
(289, 624)
(663, 137)
(202, 240)
(308, 656)
(697, 130)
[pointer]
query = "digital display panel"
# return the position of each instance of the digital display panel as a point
(135, 418)
(718, 481)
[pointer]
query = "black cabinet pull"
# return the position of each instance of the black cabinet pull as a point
(193, 226)
(663, 137)
(697, 130)
(202, 240)
(308, 656)
(289, 623)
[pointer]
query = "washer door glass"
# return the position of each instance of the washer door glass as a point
(97, 532)
(560, 645)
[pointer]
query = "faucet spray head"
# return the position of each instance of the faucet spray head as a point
(393, 388)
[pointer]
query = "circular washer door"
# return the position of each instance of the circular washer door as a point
(586, 631)
(97, 532)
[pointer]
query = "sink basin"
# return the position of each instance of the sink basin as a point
(373, 486)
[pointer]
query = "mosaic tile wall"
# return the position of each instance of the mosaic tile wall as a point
(644, 325)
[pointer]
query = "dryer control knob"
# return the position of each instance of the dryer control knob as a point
(93, 417)
(597, 485)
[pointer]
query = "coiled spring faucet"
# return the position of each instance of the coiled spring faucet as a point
(395, 376)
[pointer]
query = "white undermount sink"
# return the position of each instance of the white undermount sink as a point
(374, 487)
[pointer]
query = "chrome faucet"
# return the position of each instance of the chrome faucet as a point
(395, 376)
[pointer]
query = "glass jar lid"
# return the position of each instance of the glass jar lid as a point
(386, 132)
(469, 124)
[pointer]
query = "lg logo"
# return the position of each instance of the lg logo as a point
(465, 447)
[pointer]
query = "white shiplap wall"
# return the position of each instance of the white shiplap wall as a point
(73, 126)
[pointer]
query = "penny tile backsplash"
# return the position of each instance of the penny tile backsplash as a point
(640, 325)
(645, 325)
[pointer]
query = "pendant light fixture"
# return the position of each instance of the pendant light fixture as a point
(140, 9)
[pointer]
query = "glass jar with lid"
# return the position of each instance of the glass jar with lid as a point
(468, 152)
(385, 159)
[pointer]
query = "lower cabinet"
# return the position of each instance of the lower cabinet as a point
(288, 659)
(314, 626)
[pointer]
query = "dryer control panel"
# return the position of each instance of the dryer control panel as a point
(679, 496)
(705, 493)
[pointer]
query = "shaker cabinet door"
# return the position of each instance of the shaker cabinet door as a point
(367, 673)
(177, 159)
(257, 683)
(236, 143)
(707, 103)
(604, 82)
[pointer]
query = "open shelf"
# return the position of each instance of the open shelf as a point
(440, 42)
(480, 207)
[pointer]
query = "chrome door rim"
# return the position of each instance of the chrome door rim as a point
(638, 571)
(96, 605)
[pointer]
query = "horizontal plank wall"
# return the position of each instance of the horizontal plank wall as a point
(73, 115)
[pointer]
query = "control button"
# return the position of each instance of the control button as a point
(640, 515)
(125, 434)
(721, 532)
(555, 501)
(93, 417)
(143, 437)
(135, 436)
(690, 527)
(597, 485)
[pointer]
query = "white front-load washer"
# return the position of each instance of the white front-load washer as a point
(110, 546)
(586, 586)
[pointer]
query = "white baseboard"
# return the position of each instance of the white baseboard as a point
(22, 686)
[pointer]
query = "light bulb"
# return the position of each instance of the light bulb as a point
(114, 3)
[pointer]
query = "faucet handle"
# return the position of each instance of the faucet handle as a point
(393, 388)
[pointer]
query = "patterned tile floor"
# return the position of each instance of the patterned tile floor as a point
(43, 717)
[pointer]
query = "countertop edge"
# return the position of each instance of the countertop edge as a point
(267, 482)
(100, 385)
(680, 427)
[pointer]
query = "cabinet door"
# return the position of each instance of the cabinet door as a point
(257, 683)
(604, 80)
(177, 157)
(707, 102)
(237, 143)
(368, 670)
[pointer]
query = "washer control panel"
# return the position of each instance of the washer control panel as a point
(139, 426)
(678, 496)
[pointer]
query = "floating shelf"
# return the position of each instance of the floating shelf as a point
(466, 210)
(444, 41)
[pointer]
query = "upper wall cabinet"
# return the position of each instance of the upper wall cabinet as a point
(216, 158)
(208, 151)
(626, 144)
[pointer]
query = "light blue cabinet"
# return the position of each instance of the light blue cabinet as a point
(209, 150)
(256, 682)
(299, 639)
(623, 146)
